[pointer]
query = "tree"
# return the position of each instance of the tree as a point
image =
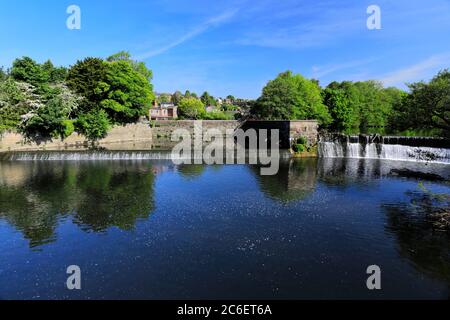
(3, 74)
(231, 98)
(128, 94)
(191, 108)
(54, 74)
(28, 70)
(88, 79)
(207, 99)
(176, 98)
(375, 106)
(11, 104)
(342, 102)
(53, 118)
(138, 66)
(289, 97)
(164, 98)
(94, 125)
(427, 107)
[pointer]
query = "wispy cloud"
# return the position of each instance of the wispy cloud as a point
(205, 26)
(293, 29)
(324, 70)
(418, 71)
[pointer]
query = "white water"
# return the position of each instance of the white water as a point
(113, 155)
(383, 151)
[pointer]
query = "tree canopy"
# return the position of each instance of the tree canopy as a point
(291, 96)
(427, 107)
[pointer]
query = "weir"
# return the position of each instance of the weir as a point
(421, 149)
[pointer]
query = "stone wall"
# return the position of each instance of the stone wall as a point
(156, 135)
(130, 137)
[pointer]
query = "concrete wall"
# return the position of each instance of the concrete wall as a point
(157, 135)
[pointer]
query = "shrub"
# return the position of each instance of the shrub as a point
(94, 125)
(67, 128)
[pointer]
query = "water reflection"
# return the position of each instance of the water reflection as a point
(295, 180)
(35, 196)
(420, 226)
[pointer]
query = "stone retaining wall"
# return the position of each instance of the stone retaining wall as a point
(155, 135)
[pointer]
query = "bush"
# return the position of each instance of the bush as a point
(67, 128)
(217, 115)
(94, 125)
(300, 145)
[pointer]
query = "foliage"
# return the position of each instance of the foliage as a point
(176, 98)
(164, 98)
(28, 70)
(11, 104)
(52, 118)
(94, 125)
(375, 106)
(138, 66)
(427, 107)
(128, 94)
(300, 145)
(217, 115)
(87, 78)
(341, 100)
(191, 108)
(291, 96)
(207, 99)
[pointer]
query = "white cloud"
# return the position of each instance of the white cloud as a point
(418, 71)
(322, 71)
(210, 23)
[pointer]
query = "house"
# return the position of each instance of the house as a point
(163, 111)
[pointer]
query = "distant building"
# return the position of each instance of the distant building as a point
(210, 109)
(164, 111)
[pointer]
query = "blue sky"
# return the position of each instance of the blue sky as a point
(235, 47)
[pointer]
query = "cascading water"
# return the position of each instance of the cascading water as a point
(105, 155)
(421, 149)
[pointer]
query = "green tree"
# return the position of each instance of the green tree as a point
(128, 95)
(191, 108)
(3, 74)
(375, 106)
(54, 74)
(53, 118)
(342, 102)
(138, 66)
(11, 104)
(88, 79)
(207, 99)
(231, 98)
(28, 70)
(176, 98)
(289, 97)
(427, 107)
(94, 125)
(164, 98)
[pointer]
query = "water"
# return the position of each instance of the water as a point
(415, 149)
(148, 229)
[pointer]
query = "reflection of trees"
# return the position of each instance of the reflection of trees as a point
(295, 180)
(97, 195)
(342, 171)
(191, 171)
(419, 238)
